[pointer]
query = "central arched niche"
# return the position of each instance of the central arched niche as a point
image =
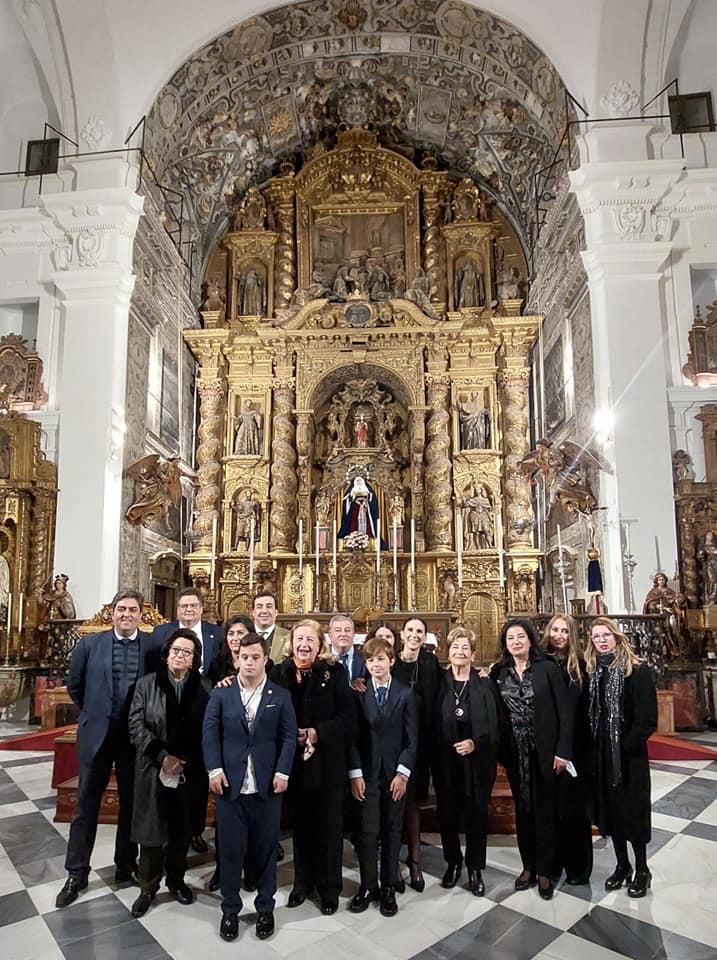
(441, 78)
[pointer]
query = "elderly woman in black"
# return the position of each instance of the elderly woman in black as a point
(467, 732)
(537, 747)
(575, 841)
(324, 709)
(623, 715)
(165, 726)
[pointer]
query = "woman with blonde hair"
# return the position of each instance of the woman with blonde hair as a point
(622, 714)
(574, 851)
(324, 708)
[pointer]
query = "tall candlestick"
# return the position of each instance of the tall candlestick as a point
(214, 550)
(20, 612)
(335, 548)
(378, 546)
(9, 627)
(301, 547)
(395, 548)
(316, 591)
(562, 571)
(501, 561)
(459, 546)
(251, 556)
(413, 546)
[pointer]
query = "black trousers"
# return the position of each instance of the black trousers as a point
(248, 825)
(381, 818)
(317, 820)
(574, 839)
(456, 806)
(173, 855)
(536, 819)
(116, 749)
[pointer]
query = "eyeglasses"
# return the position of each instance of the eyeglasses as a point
(603, 636)
(182, 652)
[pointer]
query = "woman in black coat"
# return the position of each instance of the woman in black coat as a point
(324, 708)
(623, 715)
(536, 749)
(575, 840)
(165, 727)
(419, 670)
(467, 734)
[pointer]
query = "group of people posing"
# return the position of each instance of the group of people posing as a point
(351, 737)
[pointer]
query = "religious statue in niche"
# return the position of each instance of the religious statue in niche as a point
(466, 200)
(682, 466)
(474, 419)
(448, 590)
(248, 431)
(251, 214)
(4, 456)
(361, 431)
(707, 554)
(248, 520)
(418, 293)
(252, 294)
(478, 525)
(508, 282)
(359, 513)
(523, 591)
(57, 601)
(664, 600)
(157, 488)
(213, 296)
(469, 287)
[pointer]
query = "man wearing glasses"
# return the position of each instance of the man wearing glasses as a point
(189, 616)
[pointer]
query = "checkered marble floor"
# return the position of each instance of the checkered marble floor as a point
(676, 921)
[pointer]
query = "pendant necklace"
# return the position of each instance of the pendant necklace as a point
(458, 696)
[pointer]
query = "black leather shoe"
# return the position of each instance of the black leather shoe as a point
(215, 881)
(416, 881)
(329, 906)
(264, 925)
(229, 927)
(141, 904)
(296, 898)
(199, 844)
(360, 902)
(525, 880)
(70, 891)
(182, 894)
(545, 888)
(618, 877)
(475, 883)
(388, 905)
(452, 875)
(640, 884)
(279, 853)
(400, 885)
(125, 875)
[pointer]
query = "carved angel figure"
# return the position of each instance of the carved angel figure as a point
(157, 487)
(564, 472)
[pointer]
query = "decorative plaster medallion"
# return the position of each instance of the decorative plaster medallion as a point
(620, 100)
(629, 222)
(95, 133)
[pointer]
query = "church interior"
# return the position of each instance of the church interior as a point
(390, 309)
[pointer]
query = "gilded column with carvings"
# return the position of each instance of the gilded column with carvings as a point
(516, 438)
(281, 193)
(438, 486)
(284, 485)
(434, 187)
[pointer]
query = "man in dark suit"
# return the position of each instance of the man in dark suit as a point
(249, 743)
(104, 670)
(341, 638)
(381, 760)
(189, 616)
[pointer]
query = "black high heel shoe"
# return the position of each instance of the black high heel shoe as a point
(640, 884)
(416, 881)
(545, 888)
(524, 880)
(616, 879)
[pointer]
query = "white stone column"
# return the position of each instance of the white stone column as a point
(627, 246)
(93, 279)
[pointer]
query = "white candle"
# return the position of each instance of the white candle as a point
(335, 546)
(378, 546)
(301, 547)
(562, 571)
(316, 591)
(20, 612)
(501, 562)
(413, 546)
(251, 556)
(395, 548)
(214, 549)
(459, 546)
(9, 625)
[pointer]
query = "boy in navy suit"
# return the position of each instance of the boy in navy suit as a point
(382, 758)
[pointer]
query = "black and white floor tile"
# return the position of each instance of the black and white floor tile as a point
(676, 921)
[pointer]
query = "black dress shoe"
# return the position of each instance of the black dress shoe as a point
(577, 881)
(475, 883)
(199, 844)
(70, 891)
(525, 880)
(141, 904)
(182, 894)
(616, 879)
(125, 875)
(416, 881)
(452, 875)
(229, 927)
(360, 902)
(388, 905)
(640, 884)
(264, 925)
(215, 882)
(400, 885)
(296, 898)
(545, 888)
(279, 853)
(329, 906)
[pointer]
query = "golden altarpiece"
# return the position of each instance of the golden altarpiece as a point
(364, 397)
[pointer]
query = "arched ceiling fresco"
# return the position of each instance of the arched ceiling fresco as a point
(434, 76)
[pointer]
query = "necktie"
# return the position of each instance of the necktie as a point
(344, 658)
(381, 697)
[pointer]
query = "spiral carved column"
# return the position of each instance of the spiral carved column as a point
(40, 545)
(434, 257)
(519, 507)
(284, 484)
(209, 452)
(438, 487)
(281, 194)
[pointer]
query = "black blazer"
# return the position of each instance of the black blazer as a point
(384, 738)
(326, 703)
(211, 639)
(552, 712)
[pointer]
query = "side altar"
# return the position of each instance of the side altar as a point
(364, 396)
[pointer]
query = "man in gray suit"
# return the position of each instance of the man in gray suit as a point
(104, 670)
